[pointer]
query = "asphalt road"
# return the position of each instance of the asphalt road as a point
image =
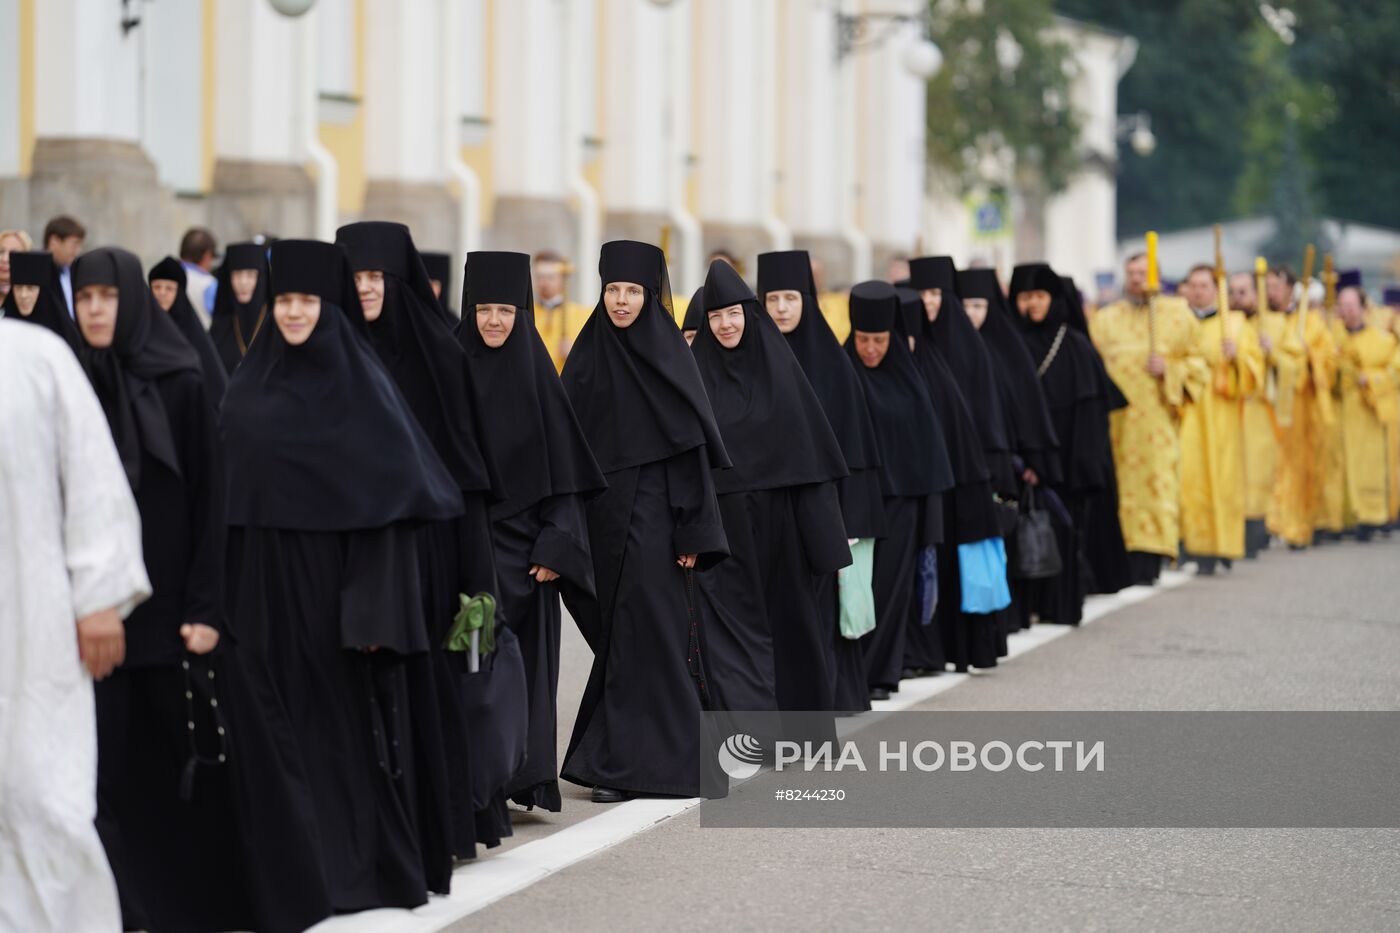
(1317, 630)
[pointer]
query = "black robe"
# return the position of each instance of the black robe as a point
(225, 843)
(916, 472)
(413, 337)
(330, 484)
(781, 513)
(968, 512)
(842, 397)
(637, 725)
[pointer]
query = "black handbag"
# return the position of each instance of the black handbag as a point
(1036, 553)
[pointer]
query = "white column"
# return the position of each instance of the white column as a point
(637, 114)
(403, 107)
(86, 71)
(892, 160)
(171, 37)
(528, 97)
(646, 66)
(811, 121)
(256, 115)
(1081, 221)
(9, 89)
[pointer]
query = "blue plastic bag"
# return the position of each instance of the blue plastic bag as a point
(926, 584)
(982, 566)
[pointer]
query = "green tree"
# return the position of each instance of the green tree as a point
(1004, 89)
(1187, 77)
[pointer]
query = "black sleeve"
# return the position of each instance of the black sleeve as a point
(821, 528)
(381, 602)
(699, 529)
(202, 464)
(562, 544)
(476, 553)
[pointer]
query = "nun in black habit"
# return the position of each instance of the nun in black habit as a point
(414, 339)
(329, 479)
(439, 269)
(240, 302)
(45, 307)
(968, 514)
(1080, 395)
(946, 327)
(916, 471)
(782, 515)
(638, 395)
(789, 294)
(171, 298)
(201, 800)
(1034, 443)
(547, 474)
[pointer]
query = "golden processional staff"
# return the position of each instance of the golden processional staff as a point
(1153, 286)
(1228, 333)
(1329, 284)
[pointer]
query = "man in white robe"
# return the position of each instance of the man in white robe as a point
(71, 569)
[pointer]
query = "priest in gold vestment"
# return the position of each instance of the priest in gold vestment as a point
(1212, 426)
(1260, 431)
(557, 319)
(1153, 357)
(1304, 366)
(1369, 376)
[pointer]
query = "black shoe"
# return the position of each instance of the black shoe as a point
(879, 693)
(609, 795)
(909, 673)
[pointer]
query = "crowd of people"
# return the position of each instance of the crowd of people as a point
(315, 528)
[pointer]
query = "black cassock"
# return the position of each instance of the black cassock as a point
(916, 472)
(201, 800)
(968, 514)
(768, 645)
(234, 324)
(330, 483)
(547, 473)
(187, 320)
(842, 397)
(642, 406)
(413, 337)
(1080, 395)
(637, 726)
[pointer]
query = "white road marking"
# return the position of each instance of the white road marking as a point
(487, 880)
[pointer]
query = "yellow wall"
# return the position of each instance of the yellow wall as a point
(346, 141)
(26, 85)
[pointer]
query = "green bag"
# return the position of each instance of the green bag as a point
(855, 588)
(477, 614)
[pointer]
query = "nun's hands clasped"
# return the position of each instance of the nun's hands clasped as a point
(687, 561)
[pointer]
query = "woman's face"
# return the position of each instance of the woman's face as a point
(296, 314)
(244, 282)
(165, 290)
(370, 285)
(624, 302)
(976, 309)
(95, 307)
(933, 300)
(727, 324)
(26, 297)
(1033, 305)
(495, 322)
(871, 348)
(785, 308)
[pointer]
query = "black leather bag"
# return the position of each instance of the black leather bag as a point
(1036, 552)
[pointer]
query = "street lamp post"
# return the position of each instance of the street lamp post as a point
(921, 58)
